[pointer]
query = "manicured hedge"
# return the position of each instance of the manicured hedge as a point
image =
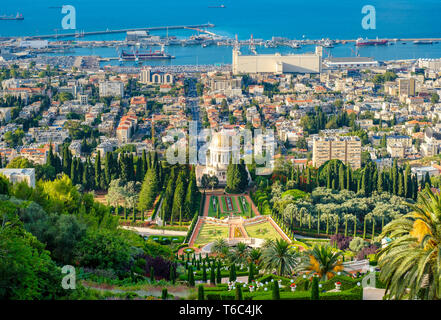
(353, 294)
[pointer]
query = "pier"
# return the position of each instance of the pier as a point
(94, 33)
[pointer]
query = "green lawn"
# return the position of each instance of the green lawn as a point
(263, 231)
(211, 232)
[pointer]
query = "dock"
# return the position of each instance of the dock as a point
(94, 33)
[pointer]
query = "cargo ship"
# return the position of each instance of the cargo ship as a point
(136, 56)
(19, 16)
(365, 42)
(221, 6)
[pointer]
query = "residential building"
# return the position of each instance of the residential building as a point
(111, 89)
(19, 175)
(346, 149)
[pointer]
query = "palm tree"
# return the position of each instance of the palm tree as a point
(255, 256)
(355, 226)
(373, 226)
(239, 255)
(220, 247)
(279, 256)
(410, 263)
(322, 260)
(346, 218)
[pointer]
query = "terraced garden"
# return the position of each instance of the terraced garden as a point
(262, 231)
(212, 212)
(229, 204)
(210, 232)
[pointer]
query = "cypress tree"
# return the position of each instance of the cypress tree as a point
(97, 170)
(218, 273)
(179, 195)
(190, 277)
(152, 275)
(276, 291)
(172, 274)
(164, 294)
(144, 163)
(212, 275)
(415, 188)
(364, 228)
(149, 191)
(73, 176)
(400, 185)
(348, 177)
(239, 295)
(139, 171)
(232, 272)
(201, 292)
(315, 289)
(407, 182)
(251, 273)
(380, 182)
(204, 273)
(395, 177)
(341, 176)
(318, 222)
(427, 180)
(328, 178)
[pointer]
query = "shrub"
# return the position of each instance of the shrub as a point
(315, 289)
(276, 292)
(164, 294)
(232, 272)
(367, 251)
(239, 295)
(201, 292)
(340, 241)
(357, 244)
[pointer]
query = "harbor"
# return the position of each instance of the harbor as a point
(196, 44)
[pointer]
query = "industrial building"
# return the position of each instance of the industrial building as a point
(350, 63)
(277, 63)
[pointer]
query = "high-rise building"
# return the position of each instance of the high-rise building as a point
(406, 87)
(148, 77)
(346, 149)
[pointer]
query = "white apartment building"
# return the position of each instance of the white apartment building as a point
(345, 149)
(19, 175)
(111, 89)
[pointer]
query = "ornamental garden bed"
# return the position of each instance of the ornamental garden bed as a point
(263, 230)
(210, 232)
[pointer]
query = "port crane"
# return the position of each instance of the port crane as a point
(252, 45)
(355, 52)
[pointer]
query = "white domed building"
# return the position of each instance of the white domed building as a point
(220, 150)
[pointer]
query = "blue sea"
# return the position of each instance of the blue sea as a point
(263, 19)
